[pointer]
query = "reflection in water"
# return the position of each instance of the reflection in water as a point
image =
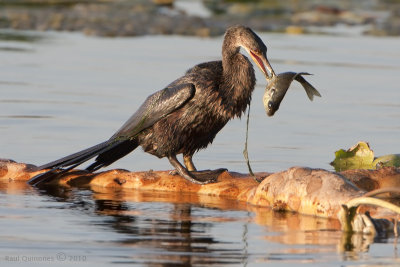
(14, 49)
(171, 237)
(169, 229)
(26, 117)
(20, 36)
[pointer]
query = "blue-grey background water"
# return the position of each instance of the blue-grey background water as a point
(62, 92)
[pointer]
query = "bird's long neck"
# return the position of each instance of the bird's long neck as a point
(238, 79)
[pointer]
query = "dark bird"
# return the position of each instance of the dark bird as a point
(185, 116)
(278, 86)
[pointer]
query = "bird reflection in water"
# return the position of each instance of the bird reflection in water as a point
(161, 231)
(167, 229)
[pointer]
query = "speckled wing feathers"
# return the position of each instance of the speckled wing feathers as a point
(156, 107)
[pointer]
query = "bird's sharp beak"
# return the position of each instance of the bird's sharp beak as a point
(263, 63)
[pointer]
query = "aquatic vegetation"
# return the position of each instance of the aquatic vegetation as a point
(360, 156)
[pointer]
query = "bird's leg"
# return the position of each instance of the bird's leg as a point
(187, 159)
(182, 171)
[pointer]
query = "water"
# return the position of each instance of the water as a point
(61, 92)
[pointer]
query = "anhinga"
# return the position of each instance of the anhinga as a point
(185, 116)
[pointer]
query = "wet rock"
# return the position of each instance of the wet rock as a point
(328, 16)
(141, 17)
(387, 27)
(114, 18)
(387, 177)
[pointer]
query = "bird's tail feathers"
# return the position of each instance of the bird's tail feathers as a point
(71, 159)
(58, 167)
(117, 151)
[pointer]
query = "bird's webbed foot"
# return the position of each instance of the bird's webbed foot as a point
(208, 174)
(196, 177)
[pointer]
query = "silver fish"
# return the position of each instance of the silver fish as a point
(278, 86)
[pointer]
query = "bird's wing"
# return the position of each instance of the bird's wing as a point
(310, 90)
(156, 107)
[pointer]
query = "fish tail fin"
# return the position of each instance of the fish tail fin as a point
(310, 90)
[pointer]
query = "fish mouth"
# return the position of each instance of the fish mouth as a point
(263, 63)
(270, 113)
(272, 109)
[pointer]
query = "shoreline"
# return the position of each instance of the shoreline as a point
(138, 18)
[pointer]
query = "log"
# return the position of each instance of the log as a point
(308, 191)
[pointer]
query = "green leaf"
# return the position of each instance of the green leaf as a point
(392, 160)
(359, 156)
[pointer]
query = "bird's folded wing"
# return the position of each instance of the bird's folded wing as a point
(156, 107)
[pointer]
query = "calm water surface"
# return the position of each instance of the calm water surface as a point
(63, 92)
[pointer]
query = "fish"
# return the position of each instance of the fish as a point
(278, 86)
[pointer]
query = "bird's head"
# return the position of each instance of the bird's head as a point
(254, 46)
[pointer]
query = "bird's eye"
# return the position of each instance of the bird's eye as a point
(270, 105)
